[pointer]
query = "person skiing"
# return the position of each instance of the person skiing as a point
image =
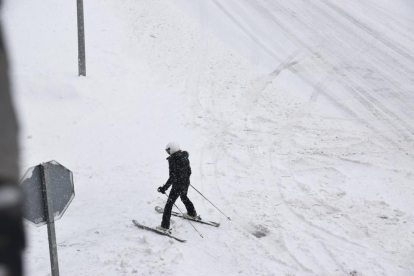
(180, 171)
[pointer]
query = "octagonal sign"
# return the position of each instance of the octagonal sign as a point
(60, 190)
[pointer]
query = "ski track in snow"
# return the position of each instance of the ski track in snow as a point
(297, 116)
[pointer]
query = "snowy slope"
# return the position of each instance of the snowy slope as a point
(297, 116)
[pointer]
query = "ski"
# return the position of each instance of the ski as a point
(156, 231)
(211, 223)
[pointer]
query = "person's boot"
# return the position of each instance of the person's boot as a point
(165, 230)
(186, 215)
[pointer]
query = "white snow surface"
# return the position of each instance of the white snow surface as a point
(297, 114)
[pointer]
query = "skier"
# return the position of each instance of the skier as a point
(180, 172)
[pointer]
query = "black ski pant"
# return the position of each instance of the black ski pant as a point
(175, 193)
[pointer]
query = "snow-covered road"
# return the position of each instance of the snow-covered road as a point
(297, 116)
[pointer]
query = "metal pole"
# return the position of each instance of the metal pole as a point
(210, 202)
(81, 40)
(51, 233)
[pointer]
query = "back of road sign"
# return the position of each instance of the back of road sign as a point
(61, 189)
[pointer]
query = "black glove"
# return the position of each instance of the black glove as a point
(161, 190)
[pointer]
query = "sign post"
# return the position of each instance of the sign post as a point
(51, 232)
(81, 39)
(48, 190)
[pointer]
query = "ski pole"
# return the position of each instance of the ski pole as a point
(210, 202)
(184, 216)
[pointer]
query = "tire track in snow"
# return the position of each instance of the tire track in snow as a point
(288, 176)
(378, 109)
(272, 243)
(335, 260)
(403, 30)
(332, 21)
(318, 233)
(219, 136)
(304, 220)
(290, 33)
(284, 243)
(346, 29)
(255, 89)
(218, 143)
(372, 101)
(284, 246)
(331, 209)
(320, 87)
(367, 100)
(200, 53)
(260, 84)
(221, 133)
(393, 46)
(339, 27)
(247, 32)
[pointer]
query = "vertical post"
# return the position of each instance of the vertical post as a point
(51, 233)
(81, 40)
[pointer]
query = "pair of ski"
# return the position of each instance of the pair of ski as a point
(161, 210)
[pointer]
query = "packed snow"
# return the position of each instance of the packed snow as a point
(297, 115)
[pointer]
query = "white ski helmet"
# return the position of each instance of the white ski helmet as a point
(172, 147)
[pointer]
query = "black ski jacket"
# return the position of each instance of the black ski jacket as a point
(180, 171)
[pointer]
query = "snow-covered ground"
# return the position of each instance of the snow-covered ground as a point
(297, 114)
